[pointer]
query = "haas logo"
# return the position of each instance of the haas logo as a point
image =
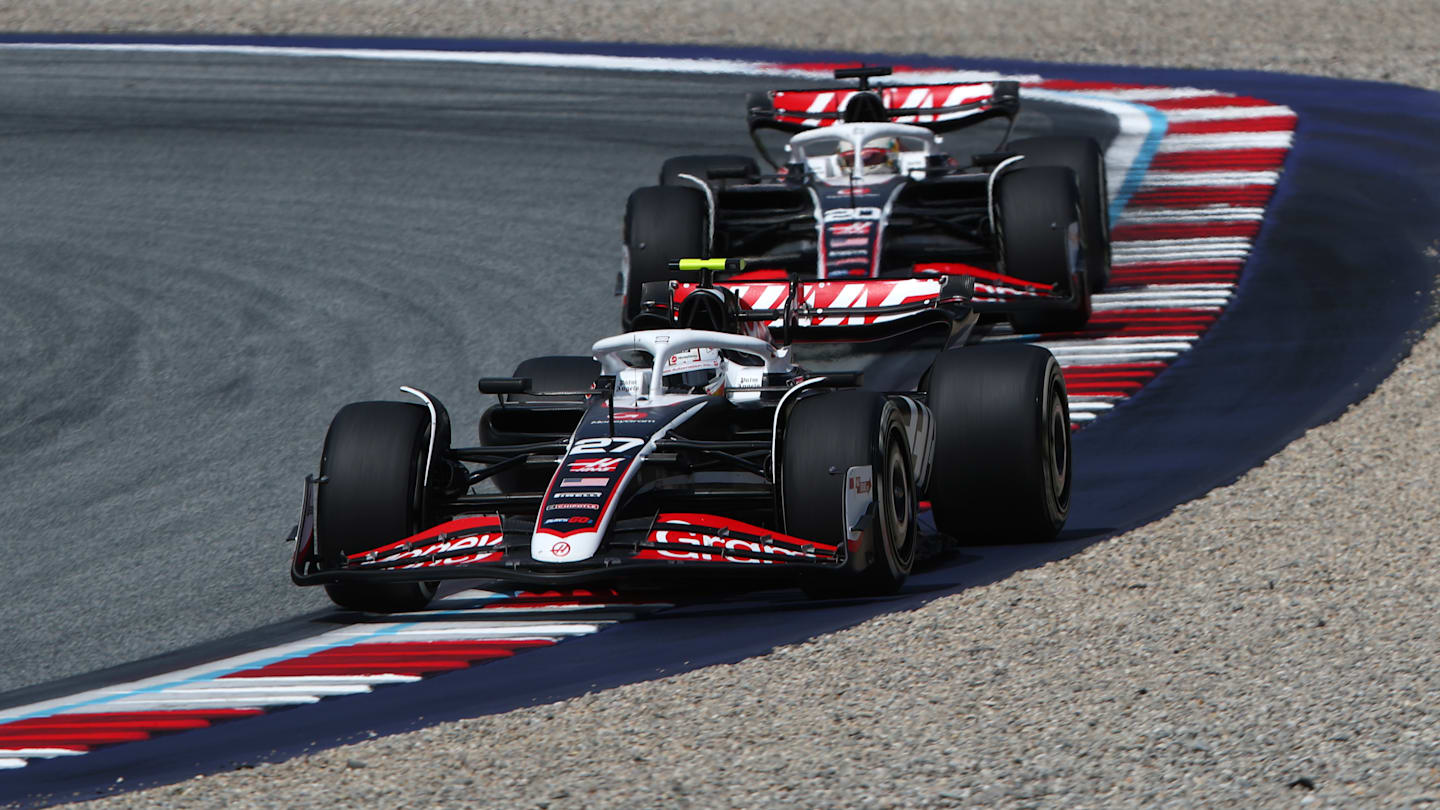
(596, 465)
(560, 549)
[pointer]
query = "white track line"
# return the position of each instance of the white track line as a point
(1215, 213)
(1207, 141)
(1105, 359)
(38, 753)
(153, 702)
(236, 688)
(305, 680)
(1140, 95)
(1227, 113)
(1155, 180)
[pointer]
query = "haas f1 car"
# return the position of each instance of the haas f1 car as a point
(866, 191)
(704, 452)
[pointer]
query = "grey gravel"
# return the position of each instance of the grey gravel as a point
(1280, 652)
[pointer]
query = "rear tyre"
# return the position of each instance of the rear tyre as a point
(825, 436)
(662, 224)
(1040, 239)
(1082, 155)
(1002, 444)
(700, 166)
(522, 426)
(373, 493)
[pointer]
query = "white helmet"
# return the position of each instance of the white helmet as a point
(877, 157)
(695, 371)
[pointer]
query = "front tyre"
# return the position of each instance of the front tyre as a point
(373, 493)
(662, 224)
(829, 437)
(1002, 444)
(700, 166)
(1082, 155)
(1038, 224)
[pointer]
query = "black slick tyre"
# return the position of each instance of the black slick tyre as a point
(1082, 155)
(373, 493)
(662, 224)
(1002, 464)
(546, 418)
(739, 167)
(1038, 225)
(826, 436)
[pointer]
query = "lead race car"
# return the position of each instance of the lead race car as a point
(674, 452)
(866, 190)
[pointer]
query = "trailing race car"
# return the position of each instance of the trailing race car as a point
(677, 453)
(865, 191)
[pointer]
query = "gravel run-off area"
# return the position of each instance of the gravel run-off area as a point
(1271, 644)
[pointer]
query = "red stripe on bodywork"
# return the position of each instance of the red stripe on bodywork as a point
(700, 528)
(469, 524)
(759, 275)
(958, 269)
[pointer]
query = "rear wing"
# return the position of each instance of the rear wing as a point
(938, 107)
(784, 308)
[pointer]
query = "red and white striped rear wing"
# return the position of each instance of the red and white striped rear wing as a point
(870, 309)
(938, 107)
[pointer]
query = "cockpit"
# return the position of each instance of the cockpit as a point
(863, 152)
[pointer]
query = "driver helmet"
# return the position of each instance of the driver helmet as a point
(876, 157)
(695, 371)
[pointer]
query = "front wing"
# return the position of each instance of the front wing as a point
(485, 547)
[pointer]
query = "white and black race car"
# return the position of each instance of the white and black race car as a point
(867, 190)
(671, 453)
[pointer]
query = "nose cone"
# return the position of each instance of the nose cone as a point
(549, 546)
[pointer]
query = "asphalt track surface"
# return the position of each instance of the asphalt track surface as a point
(205, 256)
(345, 248)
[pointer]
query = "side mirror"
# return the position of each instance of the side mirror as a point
(989, 160)
(504, 385)
(963, 286)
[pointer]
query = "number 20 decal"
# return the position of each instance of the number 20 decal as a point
(605, 444)
(849, 214)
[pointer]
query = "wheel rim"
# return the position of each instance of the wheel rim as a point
(898, 505)
(1104, 208)
(1058, 449)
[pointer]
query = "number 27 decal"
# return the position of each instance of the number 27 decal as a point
(605, 444)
